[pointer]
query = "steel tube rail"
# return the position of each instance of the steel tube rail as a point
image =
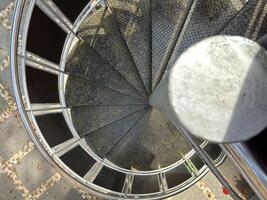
(245, 161)
(249, 167)
(205, 158)
(14, 74)
(50, 156)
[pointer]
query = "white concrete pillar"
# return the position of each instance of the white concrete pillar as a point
(217, 89)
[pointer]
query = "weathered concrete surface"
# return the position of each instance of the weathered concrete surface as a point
(217, 89)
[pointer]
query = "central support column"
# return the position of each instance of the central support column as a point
(217, 90)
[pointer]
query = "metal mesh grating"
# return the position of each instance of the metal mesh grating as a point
(201, 24)
(167, 21)
(133, 18)
(86, 62)
(82, 92)
(117, 37)
(102, 33)
(160, 146)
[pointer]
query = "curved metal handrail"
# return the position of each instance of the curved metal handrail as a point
(44, 148)
(249, 167)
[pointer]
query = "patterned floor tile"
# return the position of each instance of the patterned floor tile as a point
(8, 191)
(12, 136)
(33, 170)
(62, 191)
(3, 105)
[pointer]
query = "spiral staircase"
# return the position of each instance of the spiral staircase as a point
(83, 74)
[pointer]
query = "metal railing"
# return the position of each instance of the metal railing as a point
(28, 112)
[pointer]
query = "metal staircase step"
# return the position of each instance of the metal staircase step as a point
(105, 138)
(133, 18)
(87, 119)
(125, 152)
(88, 63)
(204, 21)
(243, 24)
(82, 92)
(168, 18)
(160, 146)
(102, 33)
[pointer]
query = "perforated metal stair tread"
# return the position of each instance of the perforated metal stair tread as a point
(105, 138)
(102, 33)
(160, 147)
(240, 23)
(168, 18)
(87, 93)
(86, 62)
(133, 18)
(125, 152)
(202, 23)
(90, 118)
(126, 49)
